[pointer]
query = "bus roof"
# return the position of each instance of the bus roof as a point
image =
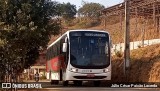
(88, 30)
(78, 30)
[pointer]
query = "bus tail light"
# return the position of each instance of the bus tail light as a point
(74, 70)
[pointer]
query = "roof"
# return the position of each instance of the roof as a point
(145, 7)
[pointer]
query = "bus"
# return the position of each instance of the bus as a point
(79, 55)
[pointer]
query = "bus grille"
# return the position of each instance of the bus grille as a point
(85, 77)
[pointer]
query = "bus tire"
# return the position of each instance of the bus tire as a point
(65, 83)
(77, 83)
(96, 83)
(54, 82)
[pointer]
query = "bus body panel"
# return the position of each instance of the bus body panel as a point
(54, 66)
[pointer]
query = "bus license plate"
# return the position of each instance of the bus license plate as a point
(90, 75)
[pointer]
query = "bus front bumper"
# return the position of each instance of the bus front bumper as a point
(87, 76)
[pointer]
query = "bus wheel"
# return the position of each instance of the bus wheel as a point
(54, 82)
(78, 83)
(65, 83)
(97, 83)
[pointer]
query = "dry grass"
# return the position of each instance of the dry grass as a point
(145, 65)
(116, 28)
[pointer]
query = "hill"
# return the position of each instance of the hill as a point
(138, 31)
(140, 28)
(144, 65)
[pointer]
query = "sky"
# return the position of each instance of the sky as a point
(78, 3)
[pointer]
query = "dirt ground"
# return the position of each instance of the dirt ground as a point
(144, 65)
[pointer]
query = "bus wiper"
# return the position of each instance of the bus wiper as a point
(79, 42)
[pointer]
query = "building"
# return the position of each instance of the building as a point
(39, 66)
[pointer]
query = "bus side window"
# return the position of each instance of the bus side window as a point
(55, 50)
(58, 48)
(52, 52)
(49, 54)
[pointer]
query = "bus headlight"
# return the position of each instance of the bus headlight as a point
(74, 70)
(105, 70)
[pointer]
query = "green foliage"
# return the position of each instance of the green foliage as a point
(91, 10)
(69, 22)
(82, 24)
(89, 15)
(86, 23)
(25, 26)
(67, 11)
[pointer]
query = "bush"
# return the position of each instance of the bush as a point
(87, 23)
(82, 24)
(119, 54)
(43, 77)
(93, 23)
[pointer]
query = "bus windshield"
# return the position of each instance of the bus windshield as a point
(88, 50)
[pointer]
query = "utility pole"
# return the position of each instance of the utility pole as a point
(127, 40)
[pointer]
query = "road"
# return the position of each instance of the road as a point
(91, 89)
(87, 86)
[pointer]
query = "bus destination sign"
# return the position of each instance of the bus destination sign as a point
(95, 34)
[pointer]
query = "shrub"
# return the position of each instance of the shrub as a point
(43, 77)
(119, 54)
(87, 23)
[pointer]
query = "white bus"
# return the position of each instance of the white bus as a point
(80, 55)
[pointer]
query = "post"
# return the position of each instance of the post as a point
(154, 18)
(159, 26)
(143, 29)
(121, 27)
(147, 29)
(127, 40)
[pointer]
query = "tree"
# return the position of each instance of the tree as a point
(68, 11)
(90, 10)
(25, 26)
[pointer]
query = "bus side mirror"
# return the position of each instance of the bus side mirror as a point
(64, 48)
